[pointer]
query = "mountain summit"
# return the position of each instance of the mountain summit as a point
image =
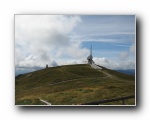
(72, 85)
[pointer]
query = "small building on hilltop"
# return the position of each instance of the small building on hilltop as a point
(46, 66)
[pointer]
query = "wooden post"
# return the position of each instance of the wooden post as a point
(46, 65)
(123, 102)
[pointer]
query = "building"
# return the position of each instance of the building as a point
(46, 65)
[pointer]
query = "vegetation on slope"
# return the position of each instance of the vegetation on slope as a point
(71, 85)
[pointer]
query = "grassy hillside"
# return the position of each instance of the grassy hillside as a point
(72, 85)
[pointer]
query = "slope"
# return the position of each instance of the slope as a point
(72, 84)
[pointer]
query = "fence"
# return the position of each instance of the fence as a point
(110, 100)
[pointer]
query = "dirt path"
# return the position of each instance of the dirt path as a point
(107, 74)
(93, 65)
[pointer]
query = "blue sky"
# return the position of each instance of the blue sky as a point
(109, 34)
(66, 39)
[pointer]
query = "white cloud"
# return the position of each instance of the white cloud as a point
(43, 39)
(124, 55)
(100, 40)
(111, 64)
(132, 48)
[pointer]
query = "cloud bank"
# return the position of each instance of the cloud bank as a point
(44, 39)
(111, 64)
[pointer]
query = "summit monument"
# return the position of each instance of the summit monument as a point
(90, 57)
(91, 62)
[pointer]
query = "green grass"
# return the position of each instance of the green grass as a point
(118, 74)
(82, 84)
(29, 102)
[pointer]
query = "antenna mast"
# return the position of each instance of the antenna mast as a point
(91, 50)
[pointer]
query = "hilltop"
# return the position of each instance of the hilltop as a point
(72, 85)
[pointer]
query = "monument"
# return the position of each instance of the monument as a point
(46, 65)
(90, 57)
(91, 62)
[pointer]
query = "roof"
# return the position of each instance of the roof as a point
(90, 57)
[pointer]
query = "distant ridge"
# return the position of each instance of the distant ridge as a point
(128, 71)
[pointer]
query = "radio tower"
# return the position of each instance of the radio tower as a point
(90, 57)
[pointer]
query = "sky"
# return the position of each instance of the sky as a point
(66, 39)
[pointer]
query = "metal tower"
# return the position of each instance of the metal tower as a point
(90, 57)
